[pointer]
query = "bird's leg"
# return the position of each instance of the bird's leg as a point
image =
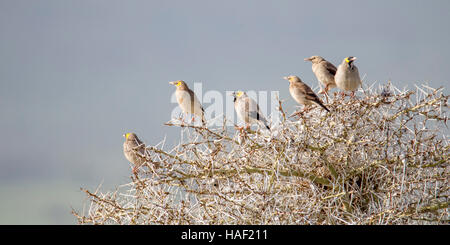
(334, 95)
(352, 94)
(326, 93)
(327, 88)
(323, 90)
(239, 128)
(183, 118)
(301, 113)
(180, 117)
(342, 94)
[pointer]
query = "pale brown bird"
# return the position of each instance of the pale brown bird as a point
(347, 76)
(324, 72)
(187, 100)
(248, 110)
(302, 93)
(134, 150)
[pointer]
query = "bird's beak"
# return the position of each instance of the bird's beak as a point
(287, 78)
(173, 83)
(353, 59)
(123, 135)
(308, 59)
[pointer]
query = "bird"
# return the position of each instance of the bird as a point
(302, 93)
(188, 101)
(248, 110)
(347, 76)
(386, 91)
(324, 72)
(134, 150)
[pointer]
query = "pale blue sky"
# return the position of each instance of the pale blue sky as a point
(76, 74)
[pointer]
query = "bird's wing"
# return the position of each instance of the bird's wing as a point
(192, 96)
(258, 116)
(307, 91)
(309, 94)
(330, 68)
(139, 148)
(194, 100)
(138, 141)
(254, 111)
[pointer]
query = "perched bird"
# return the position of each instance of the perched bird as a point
(347, 76)
(386, 92)
(134, 150)
(302, 93)
(187, 100)
(248, 110)
(324, 72)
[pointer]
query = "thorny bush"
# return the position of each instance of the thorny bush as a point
(382, 158)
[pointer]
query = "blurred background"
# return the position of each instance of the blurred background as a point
(77, 74)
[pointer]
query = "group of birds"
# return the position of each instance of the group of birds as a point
(345, 77)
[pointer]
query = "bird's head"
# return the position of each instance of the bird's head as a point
(129, 136)
(292, 79)
(178, 83)
(314, 59)
(238, 94)
(349, 60)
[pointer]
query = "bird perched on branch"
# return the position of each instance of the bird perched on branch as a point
(248, 110)
(187, 100)
(324, 72)
(347, 76)
(134, 150)
(302, 93)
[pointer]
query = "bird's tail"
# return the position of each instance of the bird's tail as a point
(322, 105)
(203, 119)
(264, 121)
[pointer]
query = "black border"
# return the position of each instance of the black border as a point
(173, 233)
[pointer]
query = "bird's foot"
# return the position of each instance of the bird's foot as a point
(297, 113)
(182, 119)
(326, 96)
